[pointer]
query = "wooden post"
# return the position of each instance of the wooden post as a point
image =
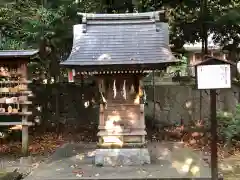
(154, 105)
(214, 125)
(25, 138)
(142, 121)
(142, 115)
(24, 132)
(101, 116)
(101, 122)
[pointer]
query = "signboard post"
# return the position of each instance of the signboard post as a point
(213, 74)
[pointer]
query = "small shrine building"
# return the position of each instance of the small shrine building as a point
(119, 50)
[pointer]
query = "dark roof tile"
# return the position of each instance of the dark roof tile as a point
(120, 42)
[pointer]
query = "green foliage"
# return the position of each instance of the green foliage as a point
(47, 25)
(180, 67)
(29, 24)
(11, 44)
(227, 23)
(229, 126)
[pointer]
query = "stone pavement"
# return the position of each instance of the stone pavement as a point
(230, 167)
(22, 165)
(75, 161)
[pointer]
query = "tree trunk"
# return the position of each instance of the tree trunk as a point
(130, 6)
(109, 4)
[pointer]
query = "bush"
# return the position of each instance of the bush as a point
(229, 126)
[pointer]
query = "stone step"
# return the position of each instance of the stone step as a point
(122, 113)
(138, 128)
(120, 157)
(126, 122)
(122, 104)
(121, 107)
(123, 116)
(141, 128)
(130, 133)
(125, 145)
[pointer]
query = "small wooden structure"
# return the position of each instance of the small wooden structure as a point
(14, 91)
(118, 50)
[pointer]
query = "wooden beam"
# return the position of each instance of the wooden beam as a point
(16, 114)
(16, 123)
(15, 82)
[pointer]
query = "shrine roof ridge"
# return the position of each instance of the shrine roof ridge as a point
(126, 16)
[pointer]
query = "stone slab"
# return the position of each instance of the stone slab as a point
(75, 161)
(25, 165)
(122, 157)
(26, 161)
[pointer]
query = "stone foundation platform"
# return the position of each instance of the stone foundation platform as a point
(75, 161)
(122, 157)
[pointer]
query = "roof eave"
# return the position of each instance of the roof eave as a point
(148, 66)
(208, 58)
(5, 54)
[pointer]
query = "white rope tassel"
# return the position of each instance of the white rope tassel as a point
(104, 100)
(144, 96)
(124, 90)
(132, 89)
(114, 89)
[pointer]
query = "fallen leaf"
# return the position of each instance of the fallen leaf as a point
(91, 154)
(35, 165)
(77, 172)
(79, 175)
(59, 169)
(74, 166)
(80, 156)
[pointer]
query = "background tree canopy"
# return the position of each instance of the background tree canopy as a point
(47, 25)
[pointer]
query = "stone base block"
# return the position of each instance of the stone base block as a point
(26, 161)
(25, 165)
(122, 157)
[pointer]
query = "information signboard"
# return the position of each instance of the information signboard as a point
(214, 76)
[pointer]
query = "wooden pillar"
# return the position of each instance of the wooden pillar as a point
(142, 114)
(101, 119)
(193, 58)
(25, 138)
(142, 121)
(101, 107)
(24, 132)
(101, 115)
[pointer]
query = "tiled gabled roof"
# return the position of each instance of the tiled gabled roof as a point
(120, 39)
